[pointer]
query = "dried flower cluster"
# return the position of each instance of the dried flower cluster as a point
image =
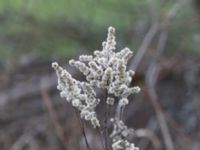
(105, 70)
(80, 94)
(121, 132)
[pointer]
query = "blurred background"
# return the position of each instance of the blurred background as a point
(165, 38)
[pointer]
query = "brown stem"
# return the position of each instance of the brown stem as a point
(106, 122)
(82, 129)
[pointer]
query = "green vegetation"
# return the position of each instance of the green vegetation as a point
(59, 28)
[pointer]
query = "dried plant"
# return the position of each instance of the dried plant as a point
(106, 70)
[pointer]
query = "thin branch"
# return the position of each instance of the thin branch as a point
(154, 68)
(101, 137)
(82, 129)
(151, 78)
(141, 133)
(155, 27)
(24, 140)
(134, 63)
(52, 115)
(106, 121)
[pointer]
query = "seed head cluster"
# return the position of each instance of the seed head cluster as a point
(120, 135)
(107, 70)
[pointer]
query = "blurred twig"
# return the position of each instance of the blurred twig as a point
(155, 67)
(178, 128)
(151, 77)
(141, 133)
(154, 29)
(134, 63)
(152, 125)
(30, 88)
(25, 140)
(52, 114)
(82, 126)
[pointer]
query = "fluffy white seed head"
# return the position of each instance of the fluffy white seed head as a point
(123, 102)
(76, 102)
(95, 122)
(136, 89)
(85, 58)
(110, 101)
(107, 70)
(54, 65)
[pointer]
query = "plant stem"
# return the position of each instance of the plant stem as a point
(101, 137)
(106, 128)
(106, 122)
(82, 129)
(121, 112)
